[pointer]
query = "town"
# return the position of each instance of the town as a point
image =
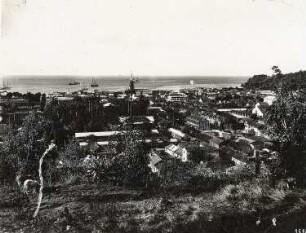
(200, 125)
(196, 142)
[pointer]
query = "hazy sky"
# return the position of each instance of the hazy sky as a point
(160, 37)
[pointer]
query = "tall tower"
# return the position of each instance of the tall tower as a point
(133, 80)
(132, 92)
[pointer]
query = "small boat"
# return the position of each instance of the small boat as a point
(191, 82)
(73, 82)
(94, 83)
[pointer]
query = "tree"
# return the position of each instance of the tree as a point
(8, 164)
(199, 154)
(277, 71)
(43, 101)
(133, 161)
(175, 174)
(286, 124)
(26, 144)
(125, 161)
(59, 118)
(71, 154)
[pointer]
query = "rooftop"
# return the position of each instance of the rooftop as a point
(177, 132)
(231, 109)
(97, 134)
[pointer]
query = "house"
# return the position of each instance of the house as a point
(177, 151)
(240, 150)
(177, 134)
(103, 98)
(55, 94)
(212, 95)
(197, 122)
(98, 136)
(269, 99)
(218, 133)
(154, 110)
(106, 138)
(177, 97)
(154, 159)
(215, 142)
(137, 119)
(256, 111)
(106, 105)
(230, 154)
(254, 128)
(237, 113)
(138, 122)
(100, 144)
(203, 122)
(241, 111)
(238, 162)
(144, 92)
(268, 96)
(244, 145)
(66, 99)
(209, 139)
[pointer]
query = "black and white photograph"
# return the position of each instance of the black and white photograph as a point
(142, 116)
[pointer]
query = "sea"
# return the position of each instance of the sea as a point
(48, 84)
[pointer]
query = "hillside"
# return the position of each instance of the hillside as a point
(293, 81)
(104, 208)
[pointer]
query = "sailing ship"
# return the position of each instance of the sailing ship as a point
(94, 83)
(191, 82)
(73, 82)
(4, 86)
(82, 87)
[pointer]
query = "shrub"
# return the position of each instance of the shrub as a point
(71, 179)
(8, 165)
(248, 197)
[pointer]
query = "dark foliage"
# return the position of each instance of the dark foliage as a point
(293, 81)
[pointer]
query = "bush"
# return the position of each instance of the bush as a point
(72, 178)
(205, 179)
(248, 197)
(8, 166)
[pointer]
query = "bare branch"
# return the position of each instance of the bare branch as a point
(40, 196)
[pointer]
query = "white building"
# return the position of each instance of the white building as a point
(177, 97)
(177, 152)
(269, 99)
(154, 159)
(177, 133)
(256, 111)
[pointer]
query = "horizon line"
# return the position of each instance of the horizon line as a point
(123, 76)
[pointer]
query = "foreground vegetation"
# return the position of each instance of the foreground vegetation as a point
(248, 207)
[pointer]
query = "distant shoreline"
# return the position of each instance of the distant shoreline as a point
(126, 76)
(43, 84)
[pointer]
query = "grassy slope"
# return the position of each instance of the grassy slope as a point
(101, 208)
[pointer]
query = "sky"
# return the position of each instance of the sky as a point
(160, 37)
